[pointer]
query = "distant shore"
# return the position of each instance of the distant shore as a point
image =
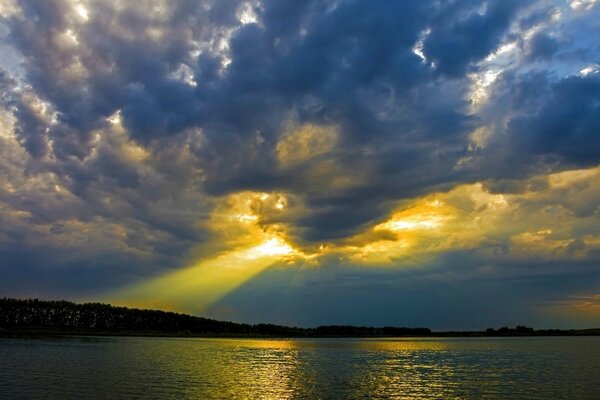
(42, 332)
(37, 318)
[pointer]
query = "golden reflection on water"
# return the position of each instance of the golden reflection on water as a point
(288, 369)
(402, 344)
(183, 368)
(274, 365)
(350, 368)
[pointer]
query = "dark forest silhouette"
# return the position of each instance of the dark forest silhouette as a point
(35, 314)
(32, 316)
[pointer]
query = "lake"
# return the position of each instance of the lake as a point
(405, 368)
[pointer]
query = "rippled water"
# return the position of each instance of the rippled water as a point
(174, 368)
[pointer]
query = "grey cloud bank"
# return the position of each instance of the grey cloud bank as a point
(124, 124)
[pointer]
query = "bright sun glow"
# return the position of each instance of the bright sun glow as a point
(271, 247)
(82, 12)
(247, 218)
(427, 222)
(424, 218)
(115, 118)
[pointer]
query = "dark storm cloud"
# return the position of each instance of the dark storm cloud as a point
(31, 126)
(467, 31)
(204, 101)
(542, 47)
(566, 126)
(77, 73)
(125, 69)
(349, 63)
(542, 110)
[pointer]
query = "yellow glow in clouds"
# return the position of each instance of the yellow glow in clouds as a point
(250, 247)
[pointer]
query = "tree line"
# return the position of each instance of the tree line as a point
(37, 316)
(66, 316)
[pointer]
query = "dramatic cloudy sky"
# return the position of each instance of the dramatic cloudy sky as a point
(414, 163)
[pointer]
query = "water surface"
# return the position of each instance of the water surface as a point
(182, 368)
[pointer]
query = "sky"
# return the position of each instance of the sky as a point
(428, 163)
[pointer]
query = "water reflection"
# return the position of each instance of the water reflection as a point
(162, 368)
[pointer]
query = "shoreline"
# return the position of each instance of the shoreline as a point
(45, 333)
(35, 318)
